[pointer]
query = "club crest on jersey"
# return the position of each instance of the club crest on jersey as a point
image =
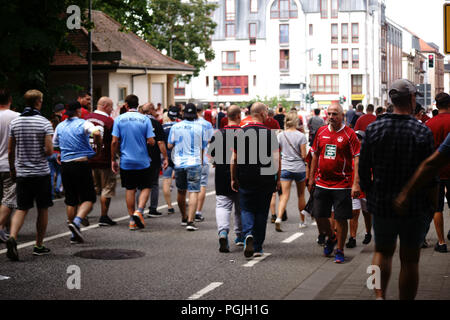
(340, 139)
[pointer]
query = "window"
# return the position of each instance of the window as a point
(357, 84)
(252, 31)
(230, 30)
(334, 33)
(180, 88)
(334, 59)
(284, 60)
(325, 83)
(355, 58)
(207, 81)
(311, 30)
(122, 93)
(230, 10)
(235, 85)
(344, 58)
(355, 32)
(252, 55)
(283, 9)
(254, 81)
(334, 8)
(344, 33)
(324, 9)
(230, 60)
(311, 54)
(284, 33)
(253, 6)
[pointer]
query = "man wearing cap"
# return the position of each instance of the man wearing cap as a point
(72, 139)
(440, 126)
(132, 132)
(188, 139)
(393, 148)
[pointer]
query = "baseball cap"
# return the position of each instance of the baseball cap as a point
(403, 87)
(173, 112)
(190, 109)
(59, 107)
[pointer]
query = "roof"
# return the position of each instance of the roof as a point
(136, 53)
(425, 47)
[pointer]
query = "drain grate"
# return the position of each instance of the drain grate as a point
(110, 254)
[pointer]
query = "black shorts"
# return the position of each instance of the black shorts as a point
(341, 200)
(154, 173)
(136, 179)
(443, 184)
(29, 189)
(78, 183)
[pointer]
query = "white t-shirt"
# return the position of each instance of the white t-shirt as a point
(6, 116)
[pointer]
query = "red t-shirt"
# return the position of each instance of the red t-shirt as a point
(336, 151)
(363, 122)
(207, 115)
(440, 126)
(84, 114)
(246, 121)
(223, 122)
(103, 158)
(271, 123)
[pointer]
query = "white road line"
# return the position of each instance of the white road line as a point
(204, 291)
(31, 243)
(294, 237)
(4, 278)
(256, 260)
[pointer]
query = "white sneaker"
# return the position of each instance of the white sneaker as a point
(314, 223)
(278, 225)
(306, 214)
(302, 225)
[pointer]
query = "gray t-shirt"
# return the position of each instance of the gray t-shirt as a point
(6, 116)
(30, 133)
(291, 160)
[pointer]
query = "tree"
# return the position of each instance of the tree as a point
(181, 29)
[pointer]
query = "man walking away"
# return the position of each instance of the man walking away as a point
(314, 124)
(363, 122)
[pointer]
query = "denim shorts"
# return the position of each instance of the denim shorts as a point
(167, 174)
(205, 175)
(188, 178)
(411, 230)
(289, 176)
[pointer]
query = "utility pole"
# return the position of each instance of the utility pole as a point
(89, 57)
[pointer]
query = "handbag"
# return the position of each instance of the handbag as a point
(290, 144)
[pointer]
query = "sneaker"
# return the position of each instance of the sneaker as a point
(306, 213)
(12, 252)
(184, 222)
(273, 219)
(85, 222)
(153, 213)
(284, 217)
(3, 236)
(199, 218)
(424, 244)
(278, 225)
(171, 211)
(248, 246)
(139, 219)
(339, 257)
(239, 241)
(106, 221)
(259, 253)
(302, 225)
(351, 243)
(367, 238)
(440, 247)
(321, 239)
(73, 240)
(76, 232)
(132, 226)
(329, 247)
(223, 242)
(314, 223)
(191, 226)
(40, 251)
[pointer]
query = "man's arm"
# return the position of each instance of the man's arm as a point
(162, 148)
(48, 145)
(12, 157)
(314, 162)
(151, 142)
(114, 152)
(356, 189)
(233, 169)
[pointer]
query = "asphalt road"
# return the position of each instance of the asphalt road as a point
(177, 264)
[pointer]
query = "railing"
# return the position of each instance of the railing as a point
(283, 14)
(231, 66)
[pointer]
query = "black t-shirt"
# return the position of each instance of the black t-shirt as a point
(258, 172)
(220, 116)
(222, 177)
(280, 118)
(154, 152)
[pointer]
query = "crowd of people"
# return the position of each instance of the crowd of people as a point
(392, 165)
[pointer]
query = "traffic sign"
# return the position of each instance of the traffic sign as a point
(447, 28)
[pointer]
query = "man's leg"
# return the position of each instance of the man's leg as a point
(342, 230)
(41, 225)
(130, 200)
(166, 191)
(202, 194)
(181, 199)
(383, 259)
(17, 222)
(439, 226)
(193, 200)
(5, 212)
(409, 273)
(104, 202)
(143, 198)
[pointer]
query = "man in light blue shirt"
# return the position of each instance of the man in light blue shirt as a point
(132, 132)
(188, 139)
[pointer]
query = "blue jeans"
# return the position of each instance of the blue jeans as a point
(188, 178)
(55, 168)
(254, 214)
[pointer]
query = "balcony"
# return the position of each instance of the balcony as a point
(231, 66)
(283, 14)
(252, 40)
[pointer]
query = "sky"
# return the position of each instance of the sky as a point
(425, 18)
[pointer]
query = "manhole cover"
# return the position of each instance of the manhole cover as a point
(110, 254)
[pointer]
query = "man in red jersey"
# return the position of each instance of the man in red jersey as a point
(334, 149)
(363, 122)
(440, 126)
(84, 98)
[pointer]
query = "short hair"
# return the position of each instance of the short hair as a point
(370, 108)
(402, 101)
(291, 120)
(317, 112)
(419, 108)
(32, 97)
(360, 107)
(257, 108)
(132, 101)
(83, 94)
(5, 96)
(442, 100)
(379, 110)
(435, 112)
(233, 112)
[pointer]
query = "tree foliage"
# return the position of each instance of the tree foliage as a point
(181, 28)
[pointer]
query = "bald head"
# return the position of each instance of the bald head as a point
(234, 113)
(105, 104)
(259, 111)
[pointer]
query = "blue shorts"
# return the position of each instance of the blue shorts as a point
(205, 175)
(411, 230)
(289, 176)
(167, 174)
(188, 178)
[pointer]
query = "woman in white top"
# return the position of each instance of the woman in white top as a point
(293, 168)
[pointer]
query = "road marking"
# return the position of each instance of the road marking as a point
(295, 236)
(4, 278)
(256, 260)
(31, 243)
(204, 291)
